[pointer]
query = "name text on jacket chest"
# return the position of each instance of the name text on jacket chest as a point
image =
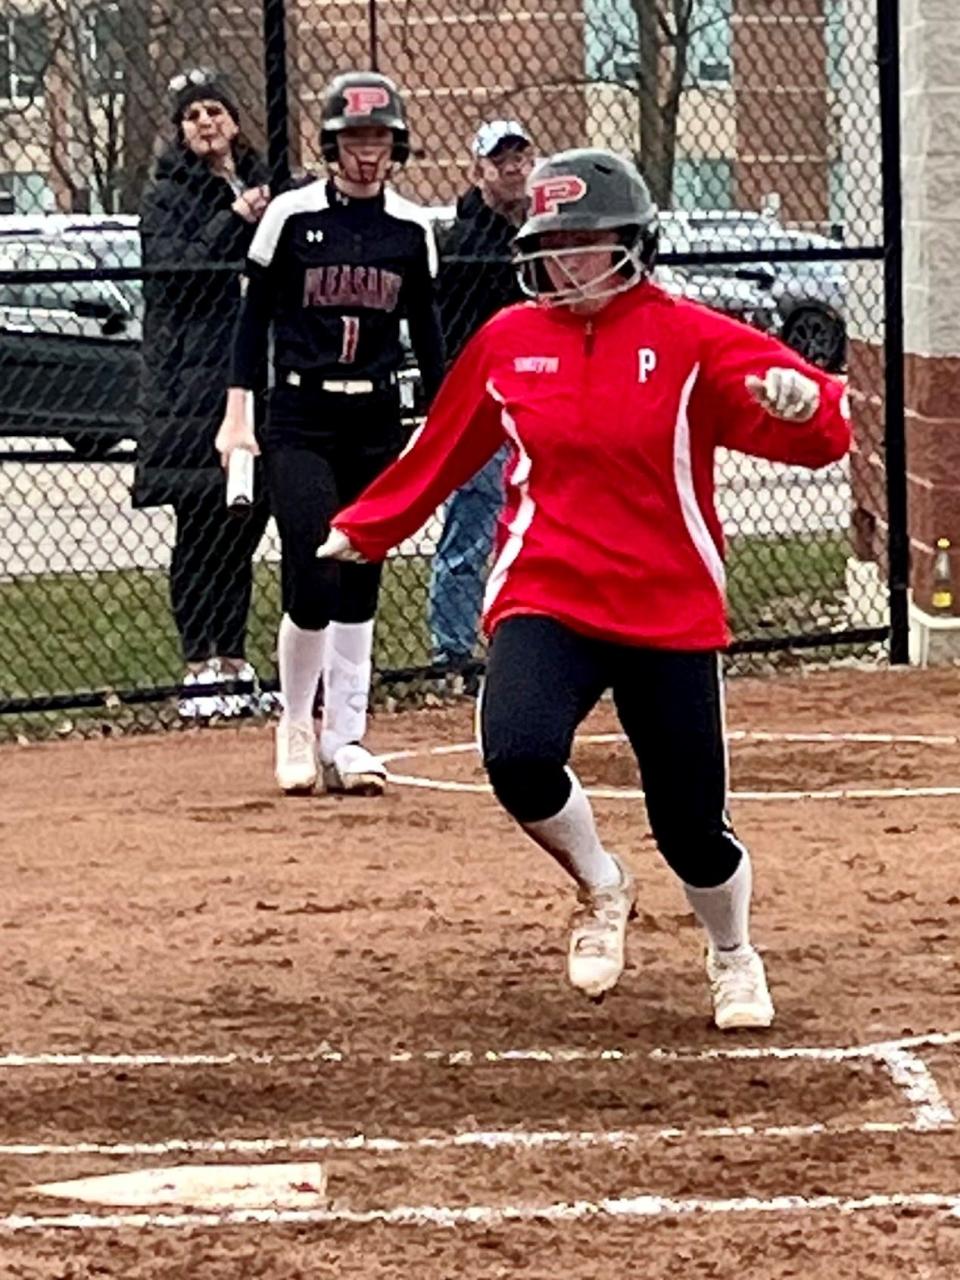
(351, 286)
(536, 364)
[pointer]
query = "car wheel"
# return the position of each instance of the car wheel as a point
(818, 336)
(91, 445)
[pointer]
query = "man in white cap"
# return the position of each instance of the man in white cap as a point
(477, 279)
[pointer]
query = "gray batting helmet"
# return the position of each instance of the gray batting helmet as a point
(587, 189)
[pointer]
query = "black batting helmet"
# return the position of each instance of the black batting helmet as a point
(359, 98)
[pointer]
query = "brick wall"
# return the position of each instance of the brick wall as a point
(457, 65)
(783, 106)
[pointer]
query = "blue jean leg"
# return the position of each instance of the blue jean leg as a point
(459, 567)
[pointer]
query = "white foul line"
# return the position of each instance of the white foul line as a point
(734, 735)
(934, 1040)
(327, 1055)
(915, 1080)
(888, 739)
(743, 735)
(496, 1139)
(636, 793)
(483, 1214)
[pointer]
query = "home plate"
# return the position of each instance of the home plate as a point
(213, 1186)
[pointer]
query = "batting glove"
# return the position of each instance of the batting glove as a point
(785, 393)
(338, 546)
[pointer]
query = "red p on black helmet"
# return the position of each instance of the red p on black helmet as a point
(359, 98)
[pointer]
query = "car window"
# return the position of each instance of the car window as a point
(56, 295)
(65, 295)
(117, 250)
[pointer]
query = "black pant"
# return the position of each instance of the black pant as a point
(211, 572)
(542, 681)
(320, 451)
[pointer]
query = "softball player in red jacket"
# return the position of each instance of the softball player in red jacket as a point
(610, 571)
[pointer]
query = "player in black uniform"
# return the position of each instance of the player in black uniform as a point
(333, 267)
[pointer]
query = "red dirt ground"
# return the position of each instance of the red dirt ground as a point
(160, 897)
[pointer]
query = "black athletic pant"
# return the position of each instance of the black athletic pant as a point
(321, 449)
(211, 572)
(542, 681)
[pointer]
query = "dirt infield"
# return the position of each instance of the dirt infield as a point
(197, 970)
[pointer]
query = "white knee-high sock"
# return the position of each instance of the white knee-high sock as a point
(724, 910)
(347, 667)
(300, 658)
(571, 837)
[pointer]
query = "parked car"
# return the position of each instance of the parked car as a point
(69, 349)
(744, 298)
(746, 295)
(809, 296)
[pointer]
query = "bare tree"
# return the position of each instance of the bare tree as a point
(646, 55)
(84, 94)
(96, 74)
(93, 82)
(144, 26)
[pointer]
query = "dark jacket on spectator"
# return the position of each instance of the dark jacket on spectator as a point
(186, 221)
(471, 291)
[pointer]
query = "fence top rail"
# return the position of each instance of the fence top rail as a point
(64, 275)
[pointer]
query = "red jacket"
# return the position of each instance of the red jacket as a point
(609, 524)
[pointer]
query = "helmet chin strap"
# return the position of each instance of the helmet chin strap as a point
(607, 285)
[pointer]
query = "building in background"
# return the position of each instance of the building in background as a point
(742, 101)
(730, 103)
(82, 91)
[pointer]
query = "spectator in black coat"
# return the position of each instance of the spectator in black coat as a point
(206, 196)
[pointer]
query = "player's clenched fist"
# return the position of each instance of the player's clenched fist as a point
(785, 393)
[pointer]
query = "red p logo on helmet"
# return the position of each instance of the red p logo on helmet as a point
(362, 99)
(547, 194)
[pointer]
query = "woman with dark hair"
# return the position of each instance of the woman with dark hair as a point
(199, 211)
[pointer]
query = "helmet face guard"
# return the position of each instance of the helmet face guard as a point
(581, 191)
(358, 100)
(627, 268)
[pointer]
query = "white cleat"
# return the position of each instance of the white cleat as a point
(355, 771)
(196, 704)
(296, 757)
(598, 935)
(237, 705)
(738, 987)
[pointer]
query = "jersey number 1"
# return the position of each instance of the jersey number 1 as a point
(351, 335)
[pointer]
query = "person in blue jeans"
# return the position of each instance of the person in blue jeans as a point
(476, 279)
(457, 579)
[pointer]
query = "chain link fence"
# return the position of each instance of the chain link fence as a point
(756, 123)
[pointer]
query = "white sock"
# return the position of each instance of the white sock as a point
(300, 658)
(347, 668)
(571, 837)
(724, 910)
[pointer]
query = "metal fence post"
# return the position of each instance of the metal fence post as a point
(373, 35)
(898, 548)
(275, 89)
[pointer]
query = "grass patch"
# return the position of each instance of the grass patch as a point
(67, 633)
(61, 633)
(785, 585)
